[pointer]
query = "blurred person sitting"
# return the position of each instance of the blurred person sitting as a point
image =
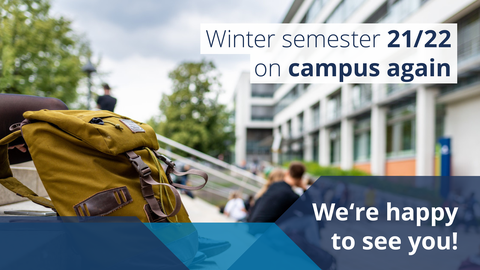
(106, 102)
(249, 202)
(279, 196)
(302, 187)
(243, 165)
(235, 207)
(275, 175)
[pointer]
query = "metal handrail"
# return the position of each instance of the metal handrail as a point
(211, 159)
(24, 168)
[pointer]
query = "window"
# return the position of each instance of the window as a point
(344, 10)
(361, 95)
(335, 146)
(378, 14)
(315, 150)
(262, 113)
(300, 123)
(400, 10)
(401, 130)
(469, 36)
(334, 106)
(263, 90)
(314, 10)
(316, 115)
(296, 150)
(289, 128)
(257, 141)
(393, 88)
(290, 97)
(361, 140)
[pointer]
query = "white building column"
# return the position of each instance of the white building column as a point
(378, 149)
(295, 127)
(307, 138)
(241, 145)
(378, 131)
(275, 154)
(324, 135)
(307, 148)
(324, 144)
(346, 138)
(425, 131)
(346, 148)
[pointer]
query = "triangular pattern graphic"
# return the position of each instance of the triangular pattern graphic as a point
(274, 250)
(182, 238)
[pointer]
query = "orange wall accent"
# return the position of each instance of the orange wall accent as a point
(405, 167)
(362, 166)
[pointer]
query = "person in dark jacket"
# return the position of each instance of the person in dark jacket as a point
(279, 196)
(106, 102)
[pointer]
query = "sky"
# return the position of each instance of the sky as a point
(139, 42)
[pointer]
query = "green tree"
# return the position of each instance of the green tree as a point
(192, 115)
(39, 54)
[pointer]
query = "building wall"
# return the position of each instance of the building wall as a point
(420, 161)
(462, 125)
(363, 167)
(403, 167)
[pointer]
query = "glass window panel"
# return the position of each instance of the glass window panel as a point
(361, 141)
(401, 130)
(300, 122)
(316, 115)
(335, 146)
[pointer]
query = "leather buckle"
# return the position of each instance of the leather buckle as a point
(141, 167)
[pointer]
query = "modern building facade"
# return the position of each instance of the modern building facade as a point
(254, 111)
(384, 129)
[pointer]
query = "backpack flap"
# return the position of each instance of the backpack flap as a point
(105, 131)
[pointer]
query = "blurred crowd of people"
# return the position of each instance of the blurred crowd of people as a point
(281, 190)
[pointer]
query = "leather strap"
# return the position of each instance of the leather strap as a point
(146, 183)
(191, 171)
(171, 169)
(104, 202)
(19, 125)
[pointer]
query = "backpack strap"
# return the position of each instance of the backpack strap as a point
(12, 183)
(146, 183)
(171, 169)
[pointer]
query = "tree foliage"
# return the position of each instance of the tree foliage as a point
(192, 115)
(39, 54)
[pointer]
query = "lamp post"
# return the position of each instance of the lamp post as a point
(88, 68)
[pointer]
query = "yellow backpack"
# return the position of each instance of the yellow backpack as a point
(97, 163)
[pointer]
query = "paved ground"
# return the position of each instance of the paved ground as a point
(201, 211)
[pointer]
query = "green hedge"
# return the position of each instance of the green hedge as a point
(314, 169)
(378, 183)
